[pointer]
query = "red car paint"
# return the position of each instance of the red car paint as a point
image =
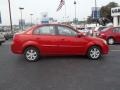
(113, 32)
(56, 44)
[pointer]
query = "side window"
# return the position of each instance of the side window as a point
(45, 30)
(66, 31)
(115, 30)
(119, 30)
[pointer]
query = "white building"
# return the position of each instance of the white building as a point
(115, 12)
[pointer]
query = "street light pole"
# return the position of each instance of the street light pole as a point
(31, 18)
(10, 16)
(75, 11)
(21, 21)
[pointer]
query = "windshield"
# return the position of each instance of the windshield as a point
(103, 30)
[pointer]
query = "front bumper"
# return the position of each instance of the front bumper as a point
(105, 49)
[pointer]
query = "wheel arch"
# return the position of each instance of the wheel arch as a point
(93, 46)
(111, 37)
(31, 44)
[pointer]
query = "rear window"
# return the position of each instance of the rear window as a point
(45, 30)
(117, 30)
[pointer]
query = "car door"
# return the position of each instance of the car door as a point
(117, 34)
(46, 37)
(69, 43)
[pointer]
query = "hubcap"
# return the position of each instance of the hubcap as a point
(31, 55)
(111, 41)
(94, 53)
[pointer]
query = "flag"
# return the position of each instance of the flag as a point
(0, 18)
(62, 2)
(74, 2)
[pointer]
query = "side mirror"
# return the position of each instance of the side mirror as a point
(80, 35)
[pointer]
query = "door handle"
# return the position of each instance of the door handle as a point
(38, 38)
(62, 39)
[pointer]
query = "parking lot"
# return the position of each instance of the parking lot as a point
(59, 73)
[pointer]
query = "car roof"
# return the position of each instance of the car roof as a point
(39, 25)
(54, 24)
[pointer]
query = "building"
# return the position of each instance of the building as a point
(95, 13)
(115, 13)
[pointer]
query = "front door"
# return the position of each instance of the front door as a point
(69, 43)
(117, 34)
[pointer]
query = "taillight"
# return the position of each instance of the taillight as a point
(102, 34)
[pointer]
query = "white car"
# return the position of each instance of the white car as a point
(84, 31)
(97, 30)
(2, 38)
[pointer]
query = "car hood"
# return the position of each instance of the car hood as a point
(93, 39)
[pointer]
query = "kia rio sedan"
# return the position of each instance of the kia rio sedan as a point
(111, 35)
(56, 40)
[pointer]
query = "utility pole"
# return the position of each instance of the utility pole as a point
(10, 17)
(96, 12)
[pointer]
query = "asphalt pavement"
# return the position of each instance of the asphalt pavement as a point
(59, 73)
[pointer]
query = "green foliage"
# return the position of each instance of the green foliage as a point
(106, 10)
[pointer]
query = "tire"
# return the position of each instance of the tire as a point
(110, 41)
(0, 43)
(31, 54)
(94, 53)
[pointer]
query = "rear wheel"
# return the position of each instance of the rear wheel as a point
(110, 41)
(31, 54)
(94, 53)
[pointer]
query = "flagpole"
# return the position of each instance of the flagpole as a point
(65, 10)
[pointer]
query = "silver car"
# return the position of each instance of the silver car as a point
(2, 38)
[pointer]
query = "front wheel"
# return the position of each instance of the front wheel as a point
(31, 54)
(94, 53)
(110, 41)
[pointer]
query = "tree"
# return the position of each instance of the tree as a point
(106, 11)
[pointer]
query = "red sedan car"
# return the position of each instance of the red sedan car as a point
(111, 35)
(56, 39)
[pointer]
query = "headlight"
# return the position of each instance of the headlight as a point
(104, 41)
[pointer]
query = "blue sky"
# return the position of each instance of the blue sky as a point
(50, 6)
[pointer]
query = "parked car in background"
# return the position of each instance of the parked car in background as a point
(56, 39)
(111, 35)
(2, 38)
(97, 30)
(83, 30)
(86, 31)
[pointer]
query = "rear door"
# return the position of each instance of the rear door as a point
(46, 37)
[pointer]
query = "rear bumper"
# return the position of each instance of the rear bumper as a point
(16, 49)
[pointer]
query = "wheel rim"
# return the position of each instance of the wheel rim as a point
(31, 55)
(94, 53)
(110, 41)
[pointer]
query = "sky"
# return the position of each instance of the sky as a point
(36, 7)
